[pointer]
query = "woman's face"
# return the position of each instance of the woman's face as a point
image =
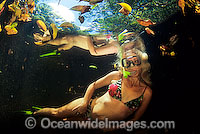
(131, 63)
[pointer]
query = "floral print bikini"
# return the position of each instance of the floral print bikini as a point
(115, 91)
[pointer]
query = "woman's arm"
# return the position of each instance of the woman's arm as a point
(144, 105)
(104, 81)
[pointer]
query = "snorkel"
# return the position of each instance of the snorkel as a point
(126, 73)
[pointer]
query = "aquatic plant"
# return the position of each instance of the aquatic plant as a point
(44, 12)
(108, 19)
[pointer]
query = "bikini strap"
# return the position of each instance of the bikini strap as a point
(144, 90)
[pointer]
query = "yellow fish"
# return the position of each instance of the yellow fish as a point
(0, 28)
(197, 9)
(55, 30)
(11, 29)
(41, 25)
(66, 25)
(181, 4)
(2, 4)
(126, 8)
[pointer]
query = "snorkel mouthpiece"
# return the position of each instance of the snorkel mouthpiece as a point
(126, 73)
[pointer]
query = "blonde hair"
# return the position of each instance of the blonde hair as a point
(138, 48)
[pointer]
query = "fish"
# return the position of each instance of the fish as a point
(172, 54)
(59, 2)
(2, 10)
(164, 48)
(81, 19)
(0, 28)
(126, 8)
(92, 2)
(55, 30)
(83, 9)
(181, 4)
(84, 0)
(25, 18)
(18, 12)
(11, 29)
(66, 25)
(2, 4)
(31, 5)
(93, 66)
(173, 40)
(41, 25)
(197, 9)
(149, 31)
(145, 23)
(50, 54)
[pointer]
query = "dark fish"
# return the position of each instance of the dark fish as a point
(92, 2)
(84, 0)
(59, 2)
(81, 19)
(81, 8)
(145, 23)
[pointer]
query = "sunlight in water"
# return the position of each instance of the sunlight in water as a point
(63, 12)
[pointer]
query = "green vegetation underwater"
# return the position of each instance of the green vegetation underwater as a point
(33, 76)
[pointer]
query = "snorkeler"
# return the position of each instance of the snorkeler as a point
(128, 92)
(97, 45)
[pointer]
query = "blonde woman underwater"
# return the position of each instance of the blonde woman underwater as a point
(96, 45)
(128, 92)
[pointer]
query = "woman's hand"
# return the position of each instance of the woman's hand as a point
(81, 108)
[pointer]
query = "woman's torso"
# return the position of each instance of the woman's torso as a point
(109, 107)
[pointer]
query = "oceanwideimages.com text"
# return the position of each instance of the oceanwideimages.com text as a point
(46, 123)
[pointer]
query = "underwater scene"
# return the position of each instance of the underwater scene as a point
(129, 61)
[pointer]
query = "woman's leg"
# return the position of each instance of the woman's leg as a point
(59, 41)
(111, 48)
(61, 112)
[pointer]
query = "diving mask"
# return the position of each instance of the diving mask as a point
(134, 60)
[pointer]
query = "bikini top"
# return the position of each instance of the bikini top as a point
(115, 91)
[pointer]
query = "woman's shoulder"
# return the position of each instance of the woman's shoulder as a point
(148, 92)
(116, 75)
